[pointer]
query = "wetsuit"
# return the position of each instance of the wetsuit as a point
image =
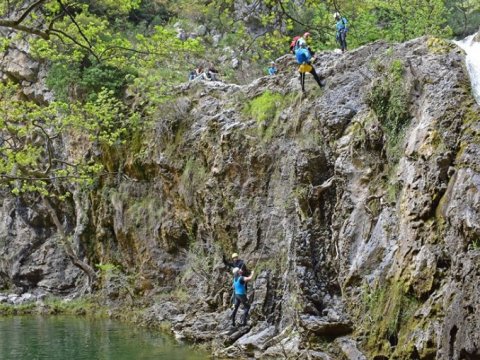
(342, 29)
(304, 57)
(237, 263)
(239, 285)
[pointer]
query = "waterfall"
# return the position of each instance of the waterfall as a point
(472, 49)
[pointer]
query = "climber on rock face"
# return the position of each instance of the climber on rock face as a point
(236, 263)
(304, 59)
(240, 289)
(297, 40)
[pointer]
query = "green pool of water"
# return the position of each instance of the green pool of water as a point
(69, 338)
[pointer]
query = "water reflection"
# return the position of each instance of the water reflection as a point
(65, 338)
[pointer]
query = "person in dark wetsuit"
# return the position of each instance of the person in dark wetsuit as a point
(236, 263)
(239, 286)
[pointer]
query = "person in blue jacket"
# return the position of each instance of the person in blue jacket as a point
(272, 69)
(341, 26)
(239, 286)
(304, 59)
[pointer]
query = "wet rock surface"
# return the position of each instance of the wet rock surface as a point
(364, 236)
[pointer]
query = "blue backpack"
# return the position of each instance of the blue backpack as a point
(303, 56)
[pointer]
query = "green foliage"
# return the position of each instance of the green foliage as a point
(368, 20)
(403, 20)
(440, 46)
(389, 99)
(81, 306)
(29, 161)
(68, 81)
(52, 305)
(474, 243)
(264, 107)
(107, 268)
(164, 63)
(192, 179)
(22, 309)
(463, 16)
(384, 311)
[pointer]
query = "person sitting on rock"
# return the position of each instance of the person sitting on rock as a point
(196, 74)
(212, 74)
(240, 290)
(272, 69)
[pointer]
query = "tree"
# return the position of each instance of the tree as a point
(35, 164)
(464, 16)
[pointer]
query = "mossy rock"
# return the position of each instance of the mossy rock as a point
(439, 46)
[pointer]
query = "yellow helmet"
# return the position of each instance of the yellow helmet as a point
(234, 255)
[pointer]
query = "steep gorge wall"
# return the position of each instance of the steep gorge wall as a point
(357, 205)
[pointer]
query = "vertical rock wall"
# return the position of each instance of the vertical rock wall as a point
(356, 205)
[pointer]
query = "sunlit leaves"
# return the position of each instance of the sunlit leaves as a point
(116, 7)
(31, 156)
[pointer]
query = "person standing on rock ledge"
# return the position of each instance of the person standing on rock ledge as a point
(341, 27)
(236, 263)
(240, 289)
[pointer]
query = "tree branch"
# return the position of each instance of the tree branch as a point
(57, 33)
(90, 46)
(13, 25)
(17, 24)
(284, 12)
(92, 276)
(129, 49)
(29, 10)
(49, 146)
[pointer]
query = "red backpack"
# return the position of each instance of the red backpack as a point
(293, 44)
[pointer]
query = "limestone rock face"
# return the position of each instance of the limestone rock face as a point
(30, 256)
(357, 205)
(17, 65)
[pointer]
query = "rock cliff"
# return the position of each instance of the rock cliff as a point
(357, 205)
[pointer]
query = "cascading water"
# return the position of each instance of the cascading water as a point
(472, 49)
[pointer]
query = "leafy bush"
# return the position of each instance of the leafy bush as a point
(68, 81)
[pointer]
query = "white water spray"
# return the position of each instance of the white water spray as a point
(472, 49)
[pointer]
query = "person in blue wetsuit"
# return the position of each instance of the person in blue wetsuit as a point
(239, 286)
(304, 59)
(341, 26)
(236, 263)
